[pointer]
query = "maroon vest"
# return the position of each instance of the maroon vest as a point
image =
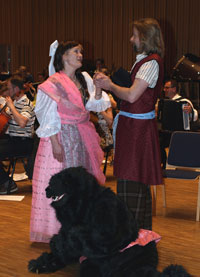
(147, 104)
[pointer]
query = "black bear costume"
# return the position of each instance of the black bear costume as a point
(95, 226)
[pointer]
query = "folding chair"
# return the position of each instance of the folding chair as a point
(107, 151)
(11, 167)
(184, 159)
(13, 162)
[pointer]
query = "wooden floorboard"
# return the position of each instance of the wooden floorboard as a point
(180, 243)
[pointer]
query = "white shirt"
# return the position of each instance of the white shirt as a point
(187, 100)
(46, 109)
(148, 71)
(25, 107)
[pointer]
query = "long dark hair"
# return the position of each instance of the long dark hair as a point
(58, 61)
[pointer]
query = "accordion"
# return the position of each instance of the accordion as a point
(170, 115)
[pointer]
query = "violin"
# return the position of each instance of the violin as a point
(4, 119)
(4, 116)
(29, 90)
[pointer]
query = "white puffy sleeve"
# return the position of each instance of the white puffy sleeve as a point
(47, 115)
(93, 104)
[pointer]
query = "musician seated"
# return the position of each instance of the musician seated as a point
(171, 119)
(18, 138)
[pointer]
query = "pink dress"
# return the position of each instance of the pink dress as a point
(81, 148)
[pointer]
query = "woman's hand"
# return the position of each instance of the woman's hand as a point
(102, 81)
(58, 152)
(57, 148)
(98, 93)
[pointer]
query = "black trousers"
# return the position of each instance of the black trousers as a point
(11, 147)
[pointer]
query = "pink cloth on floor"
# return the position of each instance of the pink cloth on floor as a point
(144, 237)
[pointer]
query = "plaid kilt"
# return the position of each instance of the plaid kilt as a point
(138, 198)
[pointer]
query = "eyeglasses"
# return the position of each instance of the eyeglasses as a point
(167, 87)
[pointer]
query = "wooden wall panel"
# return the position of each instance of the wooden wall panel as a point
(88, 34)
(107, 35)
(183, 26)
(129, 50)
(102, 26)
(70, 17)
(61, 21)
(97, 29)
(79, 20)
(169, 33)
(126, 34)
(117, 33)
(194, 30)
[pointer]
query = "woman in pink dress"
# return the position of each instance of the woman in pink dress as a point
(67, 137)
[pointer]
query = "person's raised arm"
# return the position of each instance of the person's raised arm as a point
(20, 119)
(129, 94)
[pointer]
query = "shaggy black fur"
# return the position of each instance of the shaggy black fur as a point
(95, 224)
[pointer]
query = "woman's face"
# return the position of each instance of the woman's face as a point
(73, 57)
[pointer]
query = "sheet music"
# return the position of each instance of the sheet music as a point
(12, 197)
